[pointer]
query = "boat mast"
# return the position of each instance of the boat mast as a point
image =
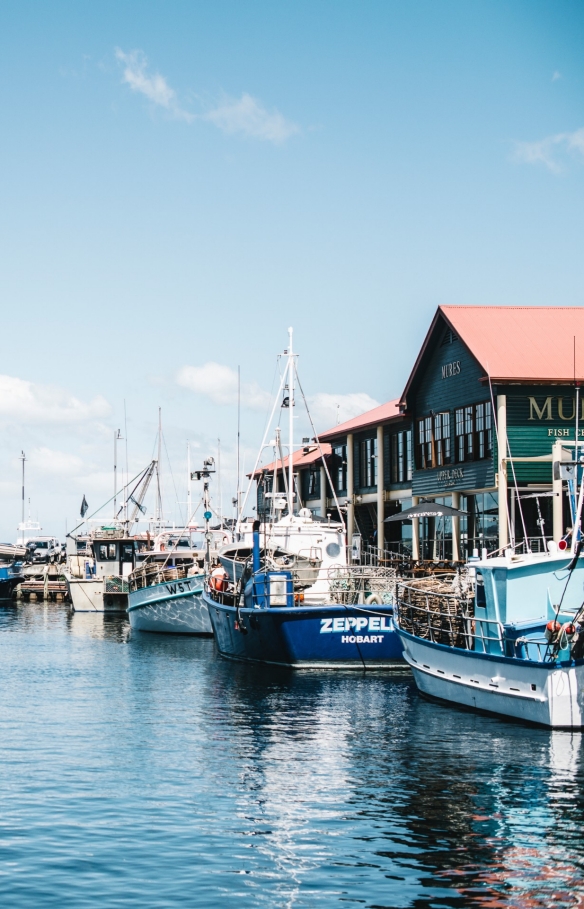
(290, 425)
(189, 513)
(116, 437)
(576, 531)
(23, 459)
(158, 489)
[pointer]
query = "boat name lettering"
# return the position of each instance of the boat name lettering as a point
(362, 639)
(357, 623)
(181, 585)
(451, 369)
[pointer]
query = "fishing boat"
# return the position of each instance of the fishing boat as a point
(166, 587)
(165, 595)
(97, 572)
(286, 592)
(97, 577)
(506, 637)
(511, 642)
(11, 564)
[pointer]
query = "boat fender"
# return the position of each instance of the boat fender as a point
(373, 598)
(552, 630)
(218, 579)
(566, 635)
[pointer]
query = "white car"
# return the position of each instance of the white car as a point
(44, 550)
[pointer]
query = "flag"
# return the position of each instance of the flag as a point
(140, 507)
(84, 507)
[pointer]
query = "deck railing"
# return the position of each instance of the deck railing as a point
(149, 575)
(438, 612)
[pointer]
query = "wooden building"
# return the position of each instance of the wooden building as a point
(492, 390)
(487, 409)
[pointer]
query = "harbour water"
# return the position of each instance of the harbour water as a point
(145, 771)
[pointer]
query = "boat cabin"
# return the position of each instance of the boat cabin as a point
(113, 556)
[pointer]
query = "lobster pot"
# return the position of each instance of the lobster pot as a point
(148, 575)
(355, 584)
(116, 584)
(429, 609)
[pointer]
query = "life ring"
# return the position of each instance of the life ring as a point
(218, 579)
(374, 598)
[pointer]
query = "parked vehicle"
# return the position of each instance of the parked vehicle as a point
(44, 550)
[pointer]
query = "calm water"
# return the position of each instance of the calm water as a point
(144, 771)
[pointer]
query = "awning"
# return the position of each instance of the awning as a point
(427, 510)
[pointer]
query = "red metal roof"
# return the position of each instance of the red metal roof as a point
(522, 342)
(516, 343)
(371, 417)
(299, 459)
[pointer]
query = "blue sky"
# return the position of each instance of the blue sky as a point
(182, 181)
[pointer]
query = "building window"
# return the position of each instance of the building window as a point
(401, 456)
(340, 468)
(484, 430)
(425, 457)
(442, 438)
(313, 482)
(368, 472)
(433, 441)
(474, 433)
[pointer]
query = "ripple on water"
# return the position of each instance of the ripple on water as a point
(145, 771)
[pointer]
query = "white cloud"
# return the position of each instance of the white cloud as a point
(219, 383)
(232, 115)
(557, 75)
(327, 410)
(154, 86)
(547, 151)
(25, 402)
(246, 115)
(47, 460)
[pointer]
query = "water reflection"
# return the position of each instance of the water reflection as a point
(149, 770)
(99, 625)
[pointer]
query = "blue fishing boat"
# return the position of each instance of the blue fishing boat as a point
(286, 592)
(11, 565)
(271, 614)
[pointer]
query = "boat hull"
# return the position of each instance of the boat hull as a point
(175, 607)
(7, 586)
(547, 694)
(92, 596)
(324, 637)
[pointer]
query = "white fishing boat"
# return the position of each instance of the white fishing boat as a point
(97, 578)
(97, 572)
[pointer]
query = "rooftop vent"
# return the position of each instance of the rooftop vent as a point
(449, 338)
